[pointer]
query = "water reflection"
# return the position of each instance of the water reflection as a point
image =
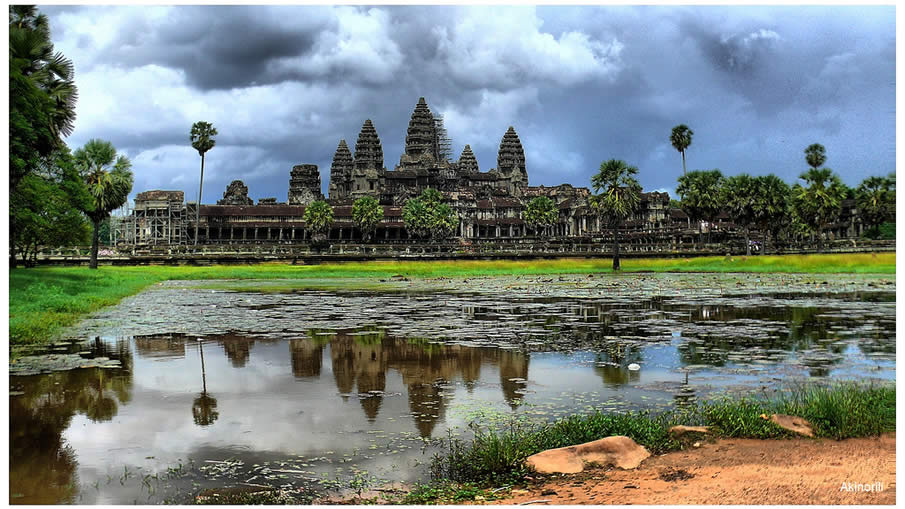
(42, 466)
(204, 408)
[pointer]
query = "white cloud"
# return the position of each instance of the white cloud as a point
(360, 48)
(504, 47)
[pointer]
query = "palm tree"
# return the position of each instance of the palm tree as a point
(876, 200)
(820, 202)
(739, 197)
(620, 195)
(701, 197)
(815, 155)
(318, 219)
(367, 214)
(681, 139)
(202, 142)
(204, 408)
(109, 181)
(42, 91)
(771, 206)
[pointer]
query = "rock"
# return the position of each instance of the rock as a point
(634, 367)
(619, 451)
(681, 430)
(791, 423)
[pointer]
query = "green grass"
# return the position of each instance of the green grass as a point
(44, 300)
(497, 456)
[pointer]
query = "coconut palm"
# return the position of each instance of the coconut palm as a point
(819, 201)
(701, 197)
(620, 195)
(202, 142)
(367, 214)
(109, 181)
(681, 139)
(771, 206)
(740, 195)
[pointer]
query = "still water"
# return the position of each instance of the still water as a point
(311, 388)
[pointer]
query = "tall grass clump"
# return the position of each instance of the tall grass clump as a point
(497, 456)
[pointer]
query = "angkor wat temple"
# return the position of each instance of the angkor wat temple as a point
(489, 204)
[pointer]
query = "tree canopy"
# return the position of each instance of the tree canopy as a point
(680, 137)
(815, 155)
(619, 196)
(701, 195)
(367, 214)
(876, 200)
(819, 201)
(541, 212)
(318, 217)
(109, 181)
(428, 216)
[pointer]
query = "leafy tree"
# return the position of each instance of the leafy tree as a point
(771, 205)
(44, 210)
(620, 196)
(681, 140)
(109, 182)
(541, 212)
(675, 204)
(815, 155)
(700, 192)
(427, 215)
(819, 202)
(202, 141)
(416, 217)
(367, 214)
(876, 200)
(740, 195)
(318, 219)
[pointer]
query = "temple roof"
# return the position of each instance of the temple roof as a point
(511, 157)
(368, 151)
(467, 161)
(421, 135)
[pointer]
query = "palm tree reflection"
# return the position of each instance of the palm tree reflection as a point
(204, 408)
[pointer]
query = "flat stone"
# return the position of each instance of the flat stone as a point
(791, 423)
(681, 430)
(619, 451)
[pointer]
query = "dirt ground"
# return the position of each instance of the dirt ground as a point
(735, 471)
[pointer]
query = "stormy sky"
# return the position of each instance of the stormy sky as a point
(283, 84)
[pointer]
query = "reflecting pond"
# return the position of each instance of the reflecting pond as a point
(193, 385)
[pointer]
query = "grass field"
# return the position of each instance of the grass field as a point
(44, 300)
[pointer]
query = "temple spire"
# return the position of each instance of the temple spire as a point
(467, 161)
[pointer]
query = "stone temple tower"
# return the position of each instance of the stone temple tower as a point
(511, 162)
(421, 138)
(304, 185)
(368, 162)
(468, 164)
(341, 172)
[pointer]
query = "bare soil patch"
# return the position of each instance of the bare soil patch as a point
(736, 471)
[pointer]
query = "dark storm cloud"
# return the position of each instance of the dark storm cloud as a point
(579, 84)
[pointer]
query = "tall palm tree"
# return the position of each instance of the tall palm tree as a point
(771, 206)
(681, 139)
(620, 195)
(202, 142)
(109, 181)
